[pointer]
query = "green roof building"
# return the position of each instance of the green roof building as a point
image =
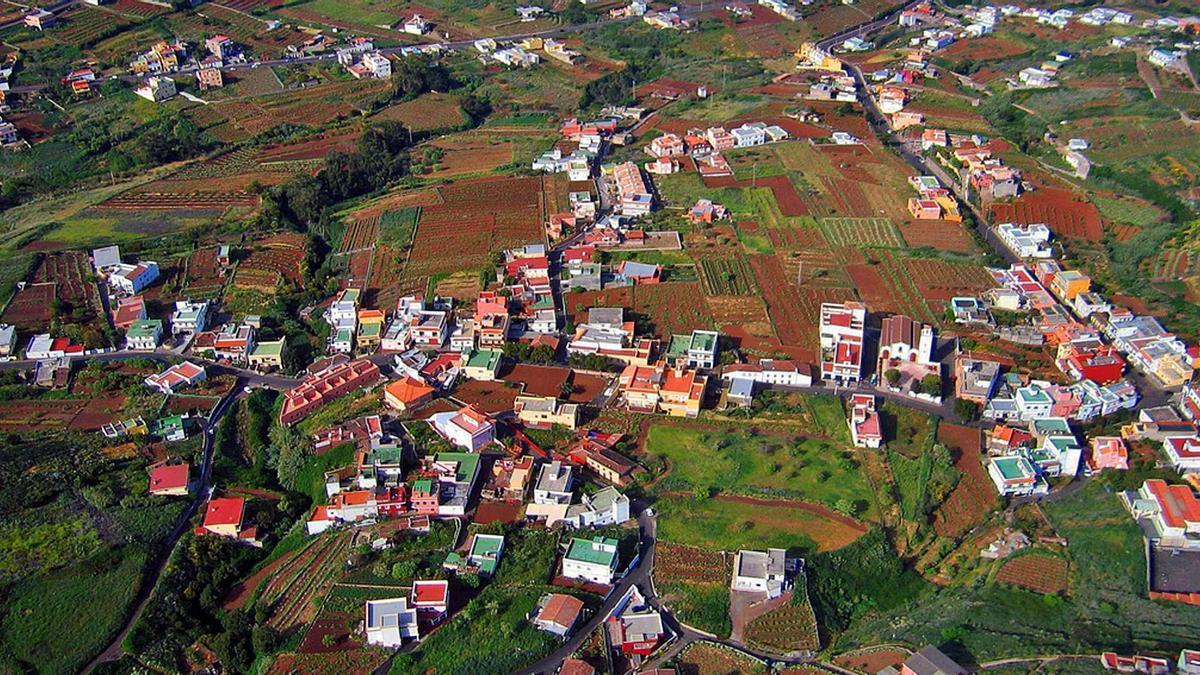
(593, 560)
(144, 334)
(485, 552)
(483, 364)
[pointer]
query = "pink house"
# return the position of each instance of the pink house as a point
(1108, 452)
(865, 427)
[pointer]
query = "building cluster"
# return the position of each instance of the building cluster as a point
(362, 60)
(933, 201)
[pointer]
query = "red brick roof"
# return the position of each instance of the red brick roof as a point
(561, 609)
(168, 477)
(224, 511)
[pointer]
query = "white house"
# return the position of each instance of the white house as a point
(390, 622)
(469, 427)
(157, 89)
(1184, 453)
(592, 560)
(606, 507)
(189, 317)
(760, 572)
(773, 372)
(131, 279)
(553, 484)
(417, 25)
(1015, 476)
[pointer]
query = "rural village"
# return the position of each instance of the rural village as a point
(802, 336)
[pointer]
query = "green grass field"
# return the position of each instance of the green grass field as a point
(807, 469)
(365, 12)
(726, 524)
(55, 623)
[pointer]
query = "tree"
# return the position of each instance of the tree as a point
(892, 376)
(542, 355)
(932, 384)
(968, 411)
(293, 453)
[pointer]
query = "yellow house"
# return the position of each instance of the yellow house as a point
(370, 327)
(949, 209)
(267, 355)
(812, 56)
(532, 43)
(1070, 283)
(545, 411)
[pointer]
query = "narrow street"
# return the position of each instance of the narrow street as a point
(115, 650)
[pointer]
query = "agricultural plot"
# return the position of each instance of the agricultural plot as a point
(795, 238)
(360, 233)
(141, 10)
(791, 627)
(1175, 264)
(1067, 214)
(31, 308)
(942, 235)
(475, 218)
(70, 272)
(974, 495)
(396, 228)
(87, 25)
(936, 279)
(665, 309)
(270, 260)
(694, 583)
(203, 278)
(861, 232)
(212, 202)
(314, 106)
(791, 323)
(1038, 571)
(291, 592)
(428, 112)
(59, 415)
(727, 275)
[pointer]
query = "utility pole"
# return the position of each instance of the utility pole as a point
(800, 274)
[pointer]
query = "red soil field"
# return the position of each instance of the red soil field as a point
(782, 305)
(973, 497)
(943, 235)
(759, 16)
(872, 661)
(491, 397)
(789, 201)
(1037, 572)
(872, 288)
(315, 149)
(940, 280)
(31, 307)
(982, 49)
(846, 197)
(796, 238)
(1067, 214)
(172, 201)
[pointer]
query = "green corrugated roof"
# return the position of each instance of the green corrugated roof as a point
(1012, 468)
(582, 550)
(144, 328)
(423, 486)
(272, 348)
(679, 345)
(467, 464)
(485, 358)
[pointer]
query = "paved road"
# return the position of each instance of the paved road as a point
(115, 650)
(640, 576)
(246, 376)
